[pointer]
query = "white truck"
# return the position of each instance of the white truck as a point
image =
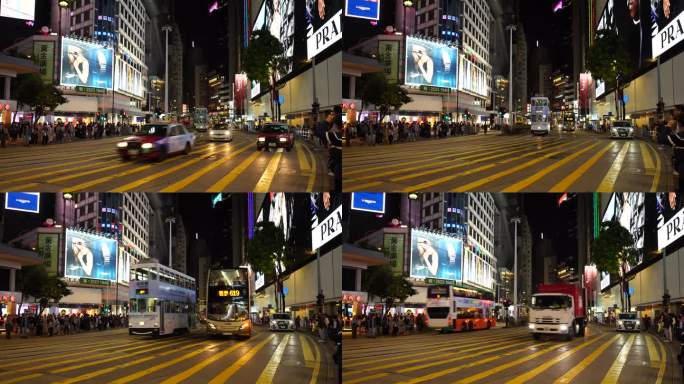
(557, 309)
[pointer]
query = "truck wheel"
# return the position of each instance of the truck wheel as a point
(580, 333)
(571, 332)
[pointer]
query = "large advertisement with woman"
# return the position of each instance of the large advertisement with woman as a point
(436, 256)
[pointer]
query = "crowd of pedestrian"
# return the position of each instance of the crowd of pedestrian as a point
(30, 324)
(28, 133)
(397, 324)
(671, 132)
(374, 133)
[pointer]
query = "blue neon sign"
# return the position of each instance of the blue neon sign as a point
(363, 9)
(23, 201)
(368, 201)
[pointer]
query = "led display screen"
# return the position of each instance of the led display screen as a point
(86, 64)
(430, 63)
(89, 255)
(436, 256)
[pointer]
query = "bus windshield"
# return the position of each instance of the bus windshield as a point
(539, 118)
(143, 305)
(227, 295)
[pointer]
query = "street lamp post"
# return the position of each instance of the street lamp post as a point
(407, 4)
(166, 29)
(660, 109)
(171, 221)
(511, 28)
(65, 197)
(515, 221)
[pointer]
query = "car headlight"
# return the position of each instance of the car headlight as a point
(211, 325)
(282, 139)
(638, 323)
(122, 144)
(147, 146)
(619, 322)
(156, 324)
(262, 139)
(244, 325)
(531, 325)
(563, 327)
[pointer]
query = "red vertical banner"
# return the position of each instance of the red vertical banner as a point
(585, 85)
(240, 93)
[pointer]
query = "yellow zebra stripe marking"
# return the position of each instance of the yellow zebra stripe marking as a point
(648, 160)
(268, 373)
(615, 369)
(545, 171)
(201, 365)
(366, 378)
(652, 352)
(314, 170)
(579, 367)
(220, 185)
(656, 177)
(16, 379)
(565, 184)
(304, 165)
(230, 371)
(264, 183)
(317, 365)
(663, 363)
(306, 351)
(196, 175)
(608, 183)
(541, 368)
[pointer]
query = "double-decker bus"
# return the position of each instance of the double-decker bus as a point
(568, 121)
(228, 298)
(446, 310)
(162, 300)
(200, 119)
(540, 115)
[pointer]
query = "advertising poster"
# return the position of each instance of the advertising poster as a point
(18, 9)
(89, 255)
(585, 86)
(363, 9)
(368, 202)
(394, 246)
(388, 52)
(472, 78)
(430, 63)
(629, 209)
(436, 256)
(667, 25)
(48, 247)
(278, 17)
(476, 271)
(85, 64)
(44, 55)
(23, 201)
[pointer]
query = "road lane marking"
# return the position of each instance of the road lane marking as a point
(656, 177)
(16, 379)
(608, 183)
(196, 175)
(541, 368)
(220, 185)
(546, 170)
(430, 158)
(488, 179)
(314, 170)
(114, 358)
(306, 351)
(317, 364)
(663, 362)
(564, 184)
(361, 187)
(366, 378)
(486, 360)
(199, 366)
(475, 157)
(157, 367)
(304, 165)
(230, 371)
(648, 160)
(579, 367)
(264, 183)
(615, 369)
(652, 352)
(433, 182)
(103, 371)
(268, 373)
(430, 356)
(491, 371)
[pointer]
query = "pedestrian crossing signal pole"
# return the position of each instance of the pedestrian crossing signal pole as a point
(515, 221)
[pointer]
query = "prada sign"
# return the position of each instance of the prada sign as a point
(325, 36)
(327, 229)
(672, 230)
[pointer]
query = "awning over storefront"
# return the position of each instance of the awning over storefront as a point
(16, 258)
(78, 104)
(423, 103)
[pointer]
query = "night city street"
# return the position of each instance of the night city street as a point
(576, 161)
(512, 288)
(168, 288)
(115, 357)
(509, 355)
(211, 166)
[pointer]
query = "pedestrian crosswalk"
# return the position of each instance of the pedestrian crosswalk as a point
(210, 167)
(509, 355)
(566, 162)
(120, 359)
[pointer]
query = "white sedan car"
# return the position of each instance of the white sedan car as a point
(622, 129)
(221, 132)
(281, 322)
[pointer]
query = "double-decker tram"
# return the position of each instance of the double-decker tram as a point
(446, 310)
(162, 300)
(228, 298)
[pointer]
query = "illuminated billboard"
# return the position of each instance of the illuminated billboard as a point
(85, 64)
(629, 209)
(278, 17)
(363, 9)
(89, 255)
(668, 25)
(368, 201)
(436, 256)
(430, 63)
(18, 9)
(23, 201)
(472, 79)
